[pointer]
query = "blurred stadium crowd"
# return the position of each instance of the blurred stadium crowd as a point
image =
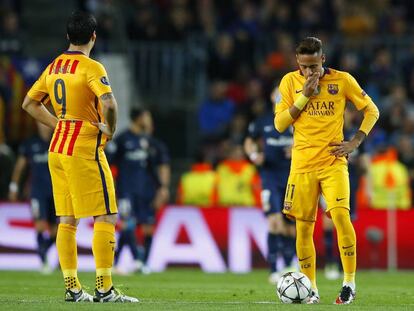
(250, 45)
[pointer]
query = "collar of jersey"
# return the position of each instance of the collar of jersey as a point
(73, 52)
(326, 71)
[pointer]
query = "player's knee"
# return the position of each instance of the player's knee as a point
(112, 218)
(41, 225)
(275, 223)
(69, 220)
(148, 229)
(340, 216)
(327, 223)
(304, 230)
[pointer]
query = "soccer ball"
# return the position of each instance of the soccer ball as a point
(293, 287)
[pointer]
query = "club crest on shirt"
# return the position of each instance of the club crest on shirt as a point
(287, 206)
(333, 89)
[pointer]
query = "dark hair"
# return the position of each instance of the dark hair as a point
(309, 45)
(136, 113)
(80, 27)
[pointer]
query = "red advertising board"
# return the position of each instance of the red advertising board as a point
(215, 239)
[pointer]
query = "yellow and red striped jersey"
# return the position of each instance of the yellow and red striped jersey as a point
(74, 82)
(322, 119)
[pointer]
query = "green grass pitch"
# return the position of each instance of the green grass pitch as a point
(190, 289)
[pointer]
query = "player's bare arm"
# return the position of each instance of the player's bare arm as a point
(110, 110)
(163, 193)
(371, 115)
(17, 173)
(252, 151)
(38, 111)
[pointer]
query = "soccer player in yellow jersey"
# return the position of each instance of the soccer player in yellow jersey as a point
(79, 90)
(313, 100)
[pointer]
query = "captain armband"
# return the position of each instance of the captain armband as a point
(301, 102)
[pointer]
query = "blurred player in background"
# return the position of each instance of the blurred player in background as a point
(82, 98)
(142, 183)
(34, 153)
(313, 99)
(270, 151)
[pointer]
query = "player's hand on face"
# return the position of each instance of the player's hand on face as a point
(104, 129)
(342, 149)
(311, 84)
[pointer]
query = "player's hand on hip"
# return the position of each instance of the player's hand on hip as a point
(342, 149)
(311, 84)
(104, 129)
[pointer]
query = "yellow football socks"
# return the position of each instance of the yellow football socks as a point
(346, 242)
(305, 249)
(103, 248)
(68, 257)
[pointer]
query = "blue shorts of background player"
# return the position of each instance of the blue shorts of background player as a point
(280, 239)
(272, 196)
(273, 192)
(135, 210)
(137, 207)
(43, 208)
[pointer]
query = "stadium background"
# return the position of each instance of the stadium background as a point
(174, 56)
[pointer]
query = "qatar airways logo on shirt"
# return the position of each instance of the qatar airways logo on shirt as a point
(320, 108)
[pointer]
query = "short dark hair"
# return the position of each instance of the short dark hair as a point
(136, 113)
(80, 27)
(309, 45)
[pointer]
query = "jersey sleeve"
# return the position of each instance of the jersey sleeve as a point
(283, 98)
(39, 91)
(356, 94)
(98, 79)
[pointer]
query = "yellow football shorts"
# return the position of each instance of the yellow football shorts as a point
(303, 191)
(82, 187)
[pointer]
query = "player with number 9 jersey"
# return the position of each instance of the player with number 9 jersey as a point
(73, 83)
(86, 113)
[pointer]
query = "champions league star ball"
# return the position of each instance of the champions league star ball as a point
(293, 287)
